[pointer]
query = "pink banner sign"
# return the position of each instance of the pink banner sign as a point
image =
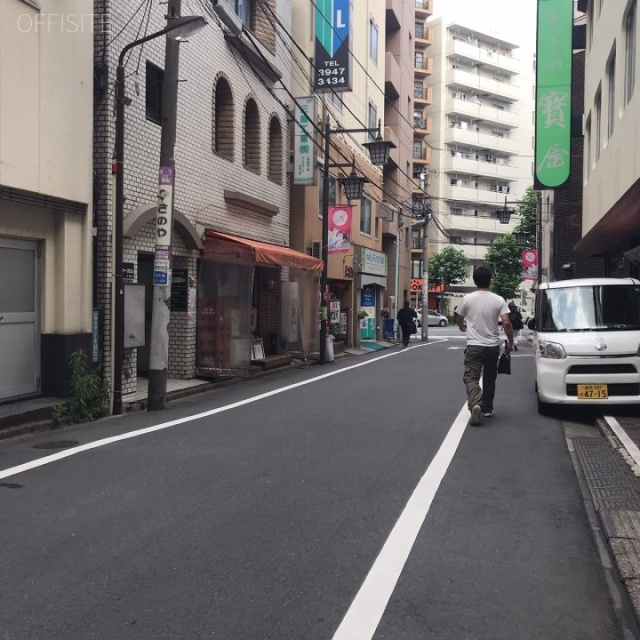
(339, 229)
(530, 264)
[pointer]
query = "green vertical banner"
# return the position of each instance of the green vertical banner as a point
(554, 55)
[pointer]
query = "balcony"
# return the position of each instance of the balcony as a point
(484, 56)
(392, 76)
(421, 156)
(458, 224)
(423, 37)
(422, 125)
(482, 84)
(473, 167)
(391, 135)
(470, 108)
(424, 8)
(394, 15)
(468, 193)
(422, 66)
(472, 251)
(475, 139)
(422, 97)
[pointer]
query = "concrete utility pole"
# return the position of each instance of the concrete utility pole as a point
(161, 313)
(424, 335)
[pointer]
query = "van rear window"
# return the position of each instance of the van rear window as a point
(597, 308)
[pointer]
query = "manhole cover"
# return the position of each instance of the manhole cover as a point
(56, 444)
(11, 485)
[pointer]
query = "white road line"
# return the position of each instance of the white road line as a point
(363, 617)
(54, 457)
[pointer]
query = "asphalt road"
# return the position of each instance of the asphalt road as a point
(348, 502)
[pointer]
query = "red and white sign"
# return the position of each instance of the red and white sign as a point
(339, 229)
(530, 264)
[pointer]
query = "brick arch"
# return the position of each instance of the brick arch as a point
(223, 117)
(251, 128)
(276, 149)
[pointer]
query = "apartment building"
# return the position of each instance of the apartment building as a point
(407, 37)
(421, 149)
(611, 177)
(482, 138)
(46, 75)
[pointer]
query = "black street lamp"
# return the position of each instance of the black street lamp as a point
(504, 214)
(353, 184)
(178, 28)
(521, 237)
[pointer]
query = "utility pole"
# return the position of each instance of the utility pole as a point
(539, 235)
(425, 279)
(161, 311)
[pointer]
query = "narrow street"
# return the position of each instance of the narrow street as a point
(345, 502)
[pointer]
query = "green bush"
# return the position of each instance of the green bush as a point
(89, 393)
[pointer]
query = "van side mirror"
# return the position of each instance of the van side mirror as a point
(532, 324)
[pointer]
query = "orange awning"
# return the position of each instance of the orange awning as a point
(271, 254)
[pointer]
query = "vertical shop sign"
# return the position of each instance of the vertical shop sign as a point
(304, 169)
(554, 55)
(340, 229)
(332, 56)
(530, 264)
(164, 221)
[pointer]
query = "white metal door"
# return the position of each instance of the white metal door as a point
(19, 322)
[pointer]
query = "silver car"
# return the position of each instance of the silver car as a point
(435, 319)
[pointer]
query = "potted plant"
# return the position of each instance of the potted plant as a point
(362, 314)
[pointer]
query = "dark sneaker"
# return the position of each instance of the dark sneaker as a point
(475, 415)
(487, 413)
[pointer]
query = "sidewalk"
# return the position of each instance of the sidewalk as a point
(611, 468)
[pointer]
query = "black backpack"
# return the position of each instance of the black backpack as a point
(516, 320)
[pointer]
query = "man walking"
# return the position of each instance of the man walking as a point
(405, 317)
(478, 315)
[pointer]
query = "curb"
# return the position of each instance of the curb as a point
(616, 500)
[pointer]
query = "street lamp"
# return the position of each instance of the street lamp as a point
(504, 214)
(353, 184)
(521, 237)
(178, 28)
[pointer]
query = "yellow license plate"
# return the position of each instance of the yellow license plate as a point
(593, 391)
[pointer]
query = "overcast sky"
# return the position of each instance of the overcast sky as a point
(514, 19)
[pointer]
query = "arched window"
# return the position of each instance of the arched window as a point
(252, 136)
(223, 119)
(275, 150)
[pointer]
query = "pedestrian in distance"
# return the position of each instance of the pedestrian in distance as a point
(478, 315)
(406, 317)
(516, 322)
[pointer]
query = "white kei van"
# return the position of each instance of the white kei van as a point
(586, 342)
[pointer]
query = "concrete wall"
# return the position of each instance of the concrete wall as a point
(608, 177)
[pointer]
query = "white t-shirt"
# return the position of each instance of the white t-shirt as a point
(481, 310)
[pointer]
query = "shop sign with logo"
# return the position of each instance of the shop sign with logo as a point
(304, 169)
(374, 262)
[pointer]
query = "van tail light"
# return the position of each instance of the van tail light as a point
(552, 350)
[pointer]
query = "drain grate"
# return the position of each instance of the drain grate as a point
(11, 485)
(56, 444)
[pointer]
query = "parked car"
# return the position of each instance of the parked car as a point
(585, 342)
(435, 319)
